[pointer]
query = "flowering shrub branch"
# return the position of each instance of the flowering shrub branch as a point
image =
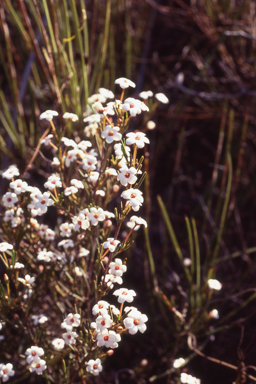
(57, 275)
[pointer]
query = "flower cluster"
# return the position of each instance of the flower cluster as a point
(60, 243)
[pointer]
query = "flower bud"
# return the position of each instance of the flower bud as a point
(151, 125)
(108, 223)
(6, 278)
(116, 188)
(41, 268)
(110, 352)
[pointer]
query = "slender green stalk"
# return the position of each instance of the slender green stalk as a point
(80, 44)
(198, 263)
(224, 211)
(151, 259)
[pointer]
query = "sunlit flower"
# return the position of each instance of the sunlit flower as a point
(124, 83)
(146, 94)
(177, 363)
(101, 307)
(19, 186)
(124, 294)
(28, 281)
(111, 134)
(214, 284)
(162, 98)
(117, 267)
(9, 199)
(39, 319)
(38, 366)
(48, 115)
(111, 244)
(96, 215)
(6, 370)
(11, 172)
(5, 246)
(214, 314)
(132, 105)
(138, 138)
(73, 320)
(58, 344)
(69, 337)
(33, 354)
(135, 321)
(70, 116)
(108, 339)
(139, 221)
(127, 176)
(94, 367)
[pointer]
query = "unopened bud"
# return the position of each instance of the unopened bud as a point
(105, 260)
(116, 188)
(151, 125)
(108, 223)
(119, 121)
(110, 352)
(6, 278)
(144, 362)
(41, 268)
(60, 212)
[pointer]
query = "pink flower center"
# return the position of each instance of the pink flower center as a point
(103, 322)
(96, 215)
(133, 196)
(127, 175)
(111, 133)
(33, 353)
(95, 366)
(106, 338)
(136, 322)
(72, 320)
(43, 201)
(116, 267)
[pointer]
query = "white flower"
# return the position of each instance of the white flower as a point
(66, 243)
(106, 93)
(101, 307)
(125, 83)
(83, 252)
(103, 322)
(69, 337)
(6, 370)
(55, 161)
(135, 322)
(48, 115)
(100, 192)
(94, 367)
(44, 256)
(138, 138)
(11, 172)
(18, 265)
(71, 156)
(27, 281)
(214, 314)
(33, 354)
(111, 134)
(19, 186)
(108, 339)
(132, 105)
(49, 234)
(39, 319)
(93, 177)
(89, 162)
(96, 215)
(9, 199)
(117, 268)
(177, 363)
(110, 172)
(77, 183)
(38, 366)
(73, 320)
(139, 221)
(162, 98)
(214, 284)
(53, 182)
(47, 140)
(124, 294)
(9, 215)
(5, 246)
(70, 190)
(135, 198)
(127, 176)
(66, 229)
(118, 150)
(80, 221)
(58, 344)
(70, 116)
(43, 201)
(97, 97)
(188, 379)
(111, 244)
(146, 94)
